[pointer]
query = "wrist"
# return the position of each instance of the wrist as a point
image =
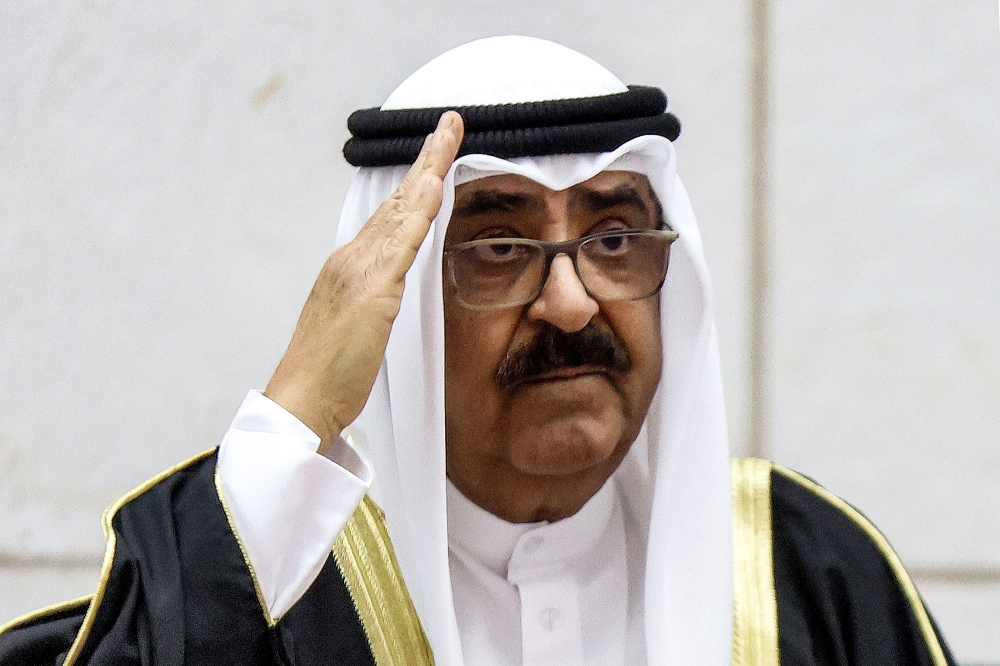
(305, 404)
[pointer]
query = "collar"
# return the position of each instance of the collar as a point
(521, 552)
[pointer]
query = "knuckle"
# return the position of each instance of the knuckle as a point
(395, 243)
(336, 264)
(367, 280)
(393, 211)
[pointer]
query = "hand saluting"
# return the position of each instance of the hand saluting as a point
(329, 368)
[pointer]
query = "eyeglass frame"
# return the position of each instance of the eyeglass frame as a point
(551, 250)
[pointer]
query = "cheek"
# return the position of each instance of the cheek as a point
(469, 344)
(474, 343)
(637, 325)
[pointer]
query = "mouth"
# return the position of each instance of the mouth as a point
(564, 374)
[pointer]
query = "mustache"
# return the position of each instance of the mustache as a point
(554, 349)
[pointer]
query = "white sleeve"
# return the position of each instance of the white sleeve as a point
(288, 503)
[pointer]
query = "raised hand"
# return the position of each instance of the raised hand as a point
(329, 368)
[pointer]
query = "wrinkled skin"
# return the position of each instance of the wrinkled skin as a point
(538, 450)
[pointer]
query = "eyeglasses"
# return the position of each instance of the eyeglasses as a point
(619, 265)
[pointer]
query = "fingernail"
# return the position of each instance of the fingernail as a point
(446, 121)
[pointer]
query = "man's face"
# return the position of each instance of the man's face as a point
(543, 401)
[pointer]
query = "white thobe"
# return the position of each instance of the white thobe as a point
(540, 594)
(529, 593)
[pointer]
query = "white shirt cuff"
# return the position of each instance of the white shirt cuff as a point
(288, 503)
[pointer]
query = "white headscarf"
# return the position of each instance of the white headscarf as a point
(675, 480)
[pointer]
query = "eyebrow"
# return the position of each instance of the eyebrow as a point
(492, 201)
(623, 195)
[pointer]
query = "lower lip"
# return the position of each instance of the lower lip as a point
(559, 377)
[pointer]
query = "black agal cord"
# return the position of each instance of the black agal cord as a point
(581, 125)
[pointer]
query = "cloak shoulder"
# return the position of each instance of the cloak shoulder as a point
(176, 588)
(43, 636)
(838, 593)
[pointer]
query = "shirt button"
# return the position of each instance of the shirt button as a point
(533, 543)
(549, 619)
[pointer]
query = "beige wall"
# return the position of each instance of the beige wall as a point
(885, 309)
(170, 177)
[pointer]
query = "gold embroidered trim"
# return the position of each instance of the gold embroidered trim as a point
(46, 610)
(755, 604)
(109, 550)
(366, 559)
(246, 558)
(909, 589)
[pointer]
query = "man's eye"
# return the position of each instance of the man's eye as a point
(499, 249)
(495, 253)
(612, 243)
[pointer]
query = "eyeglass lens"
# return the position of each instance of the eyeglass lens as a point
(509, 272)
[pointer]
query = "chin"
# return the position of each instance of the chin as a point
(565, 447)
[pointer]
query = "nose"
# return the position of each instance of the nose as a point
(563, 301)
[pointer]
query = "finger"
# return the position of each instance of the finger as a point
(442, 149)
(418, 164)
(421, 188)
(406, 215)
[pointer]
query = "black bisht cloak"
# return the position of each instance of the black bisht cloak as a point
(177, 589)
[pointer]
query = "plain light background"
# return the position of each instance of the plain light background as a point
(170, 180)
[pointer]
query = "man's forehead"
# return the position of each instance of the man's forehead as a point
(509, 183)
(627, 192)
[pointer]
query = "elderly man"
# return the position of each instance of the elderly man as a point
(520, 457)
